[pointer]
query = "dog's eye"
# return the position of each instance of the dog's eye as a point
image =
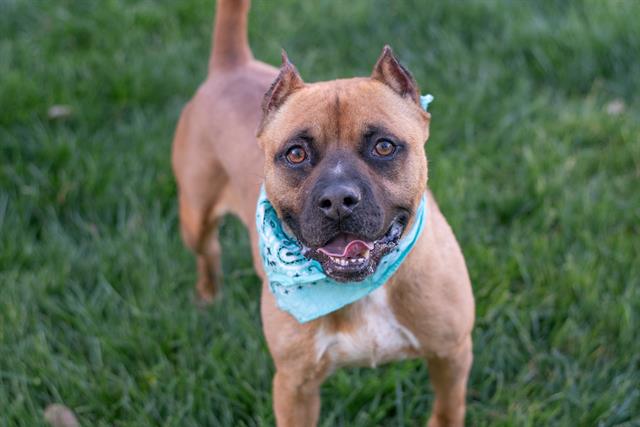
(384, 148)
(296, 155)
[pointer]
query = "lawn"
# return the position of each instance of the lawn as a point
(534, 157)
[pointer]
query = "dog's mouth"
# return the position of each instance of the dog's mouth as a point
(348, 257)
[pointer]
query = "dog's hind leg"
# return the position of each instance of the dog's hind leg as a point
(199, 226)
(202, 182)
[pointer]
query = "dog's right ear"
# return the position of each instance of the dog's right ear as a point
(287, 82)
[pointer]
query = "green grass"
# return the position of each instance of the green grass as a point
(539, 180)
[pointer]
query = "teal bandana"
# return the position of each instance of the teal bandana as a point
(299, 284)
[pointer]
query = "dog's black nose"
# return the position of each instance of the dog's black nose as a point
(338, 200)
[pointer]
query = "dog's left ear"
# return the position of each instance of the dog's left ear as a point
(389, 71)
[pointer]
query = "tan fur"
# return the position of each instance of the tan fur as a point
(219, 167)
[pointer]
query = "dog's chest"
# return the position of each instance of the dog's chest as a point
(375, 337)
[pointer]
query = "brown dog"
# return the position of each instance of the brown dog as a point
(341, 160)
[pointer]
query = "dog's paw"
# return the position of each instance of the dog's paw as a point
(60, 416)
(206, 293)
(445, 421)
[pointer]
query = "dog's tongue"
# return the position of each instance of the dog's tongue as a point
(345, 246)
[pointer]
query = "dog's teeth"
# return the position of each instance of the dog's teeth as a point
(350, 261)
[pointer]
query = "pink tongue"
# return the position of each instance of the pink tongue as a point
(345, 246)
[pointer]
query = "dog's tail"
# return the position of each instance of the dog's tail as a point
(230, 41)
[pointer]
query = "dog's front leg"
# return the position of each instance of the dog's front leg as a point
(296, 399)
(449, 376)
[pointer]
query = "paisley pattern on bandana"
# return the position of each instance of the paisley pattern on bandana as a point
(282, 254)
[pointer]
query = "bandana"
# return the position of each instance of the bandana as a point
(299, 284)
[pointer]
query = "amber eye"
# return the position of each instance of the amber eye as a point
(296, 155)
(384, 148)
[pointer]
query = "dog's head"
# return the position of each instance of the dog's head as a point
(345, 166)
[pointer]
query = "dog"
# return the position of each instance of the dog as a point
(343, 165)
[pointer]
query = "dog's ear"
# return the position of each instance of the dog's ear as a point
(287, 82)
(389, 71)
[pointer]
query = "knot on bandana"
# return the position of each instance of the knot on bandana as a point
(425, 100)
(299, 284)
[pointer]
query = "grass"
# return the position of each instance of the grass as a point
(535, 160)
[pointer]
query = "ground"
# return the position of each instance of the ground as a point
(534, 157)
